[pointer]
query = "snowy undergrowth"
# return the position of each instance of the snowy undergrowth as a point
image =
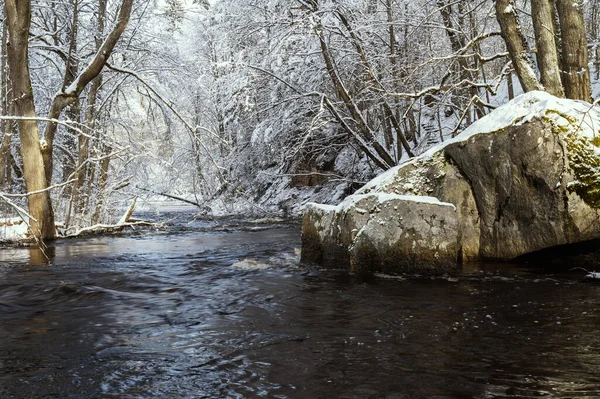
(271, 191)
(13, 230)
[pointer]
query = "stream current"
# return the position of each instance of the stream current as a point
(226, 310)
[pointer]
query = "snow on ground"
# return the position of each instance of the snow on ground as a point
(279, 198)
(593, 275)
(13, 229)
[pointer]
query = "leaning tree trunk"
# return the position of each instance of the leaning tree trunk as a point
(18, 13)
(576, 74)
(518, 50)
(542, 12)
(367, 141)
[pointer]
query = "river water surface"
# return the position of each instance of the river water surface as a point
(204, 311)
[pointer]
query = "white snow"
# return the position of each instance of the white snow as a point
(351, 200)
(13, 229)
(323, 207)
(594, 275)
(526, 107)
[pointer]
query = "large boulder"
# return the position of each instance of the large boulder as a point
(383, 233)
(524, 178)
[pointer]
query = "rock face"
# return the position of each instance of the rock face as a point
(524, 178)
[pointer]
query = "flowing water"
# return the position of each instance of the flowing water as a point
(204, 311)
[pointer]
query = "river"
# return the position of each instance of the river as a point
(226, 310)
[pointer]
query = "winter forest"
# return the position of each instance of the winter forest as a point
(351, 199)
(257, 106)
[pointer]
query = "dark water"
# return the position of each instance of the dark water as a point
(212, 313)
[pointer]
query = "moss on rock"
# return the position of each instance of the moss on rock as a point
(584, 160)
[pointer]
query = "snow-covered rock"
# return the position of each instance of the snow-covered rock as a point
(383, 233)
(524, 178)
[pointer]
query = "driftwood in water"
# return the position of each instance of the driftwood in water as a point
(125, 221)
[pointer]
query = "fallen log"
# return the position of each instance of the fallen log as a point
(125, 221)
(109, 228)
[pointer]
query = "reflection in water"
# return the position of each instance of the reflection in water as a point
(41, 256)
(171, 316)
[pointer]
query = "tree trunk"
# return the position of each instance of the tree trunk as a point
(5, 125)
(392, 36)
(18, 13)
(518, 50)
(102, 186)
(542, 12)
(593, 25)
(510, 86)
(5, 167)
(71, 71)
(576, 74)
(90, 119)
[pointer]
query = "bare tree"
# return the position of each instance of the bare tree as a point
(70, 93)
(565, 75)
(40, 207)
(36, 153)
(81, 171)
(576, 74)
(546, 47)
(506, 13)
(5, 125)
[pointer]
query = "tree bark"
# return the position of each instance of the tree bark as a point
(71, 71)
(542, 12)
(518, 50)
(5, 126)
(575, 71)
(101, 186)
(510, 86)
(18, 13)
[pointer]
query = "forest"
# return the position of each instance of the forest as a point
(257, 107)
